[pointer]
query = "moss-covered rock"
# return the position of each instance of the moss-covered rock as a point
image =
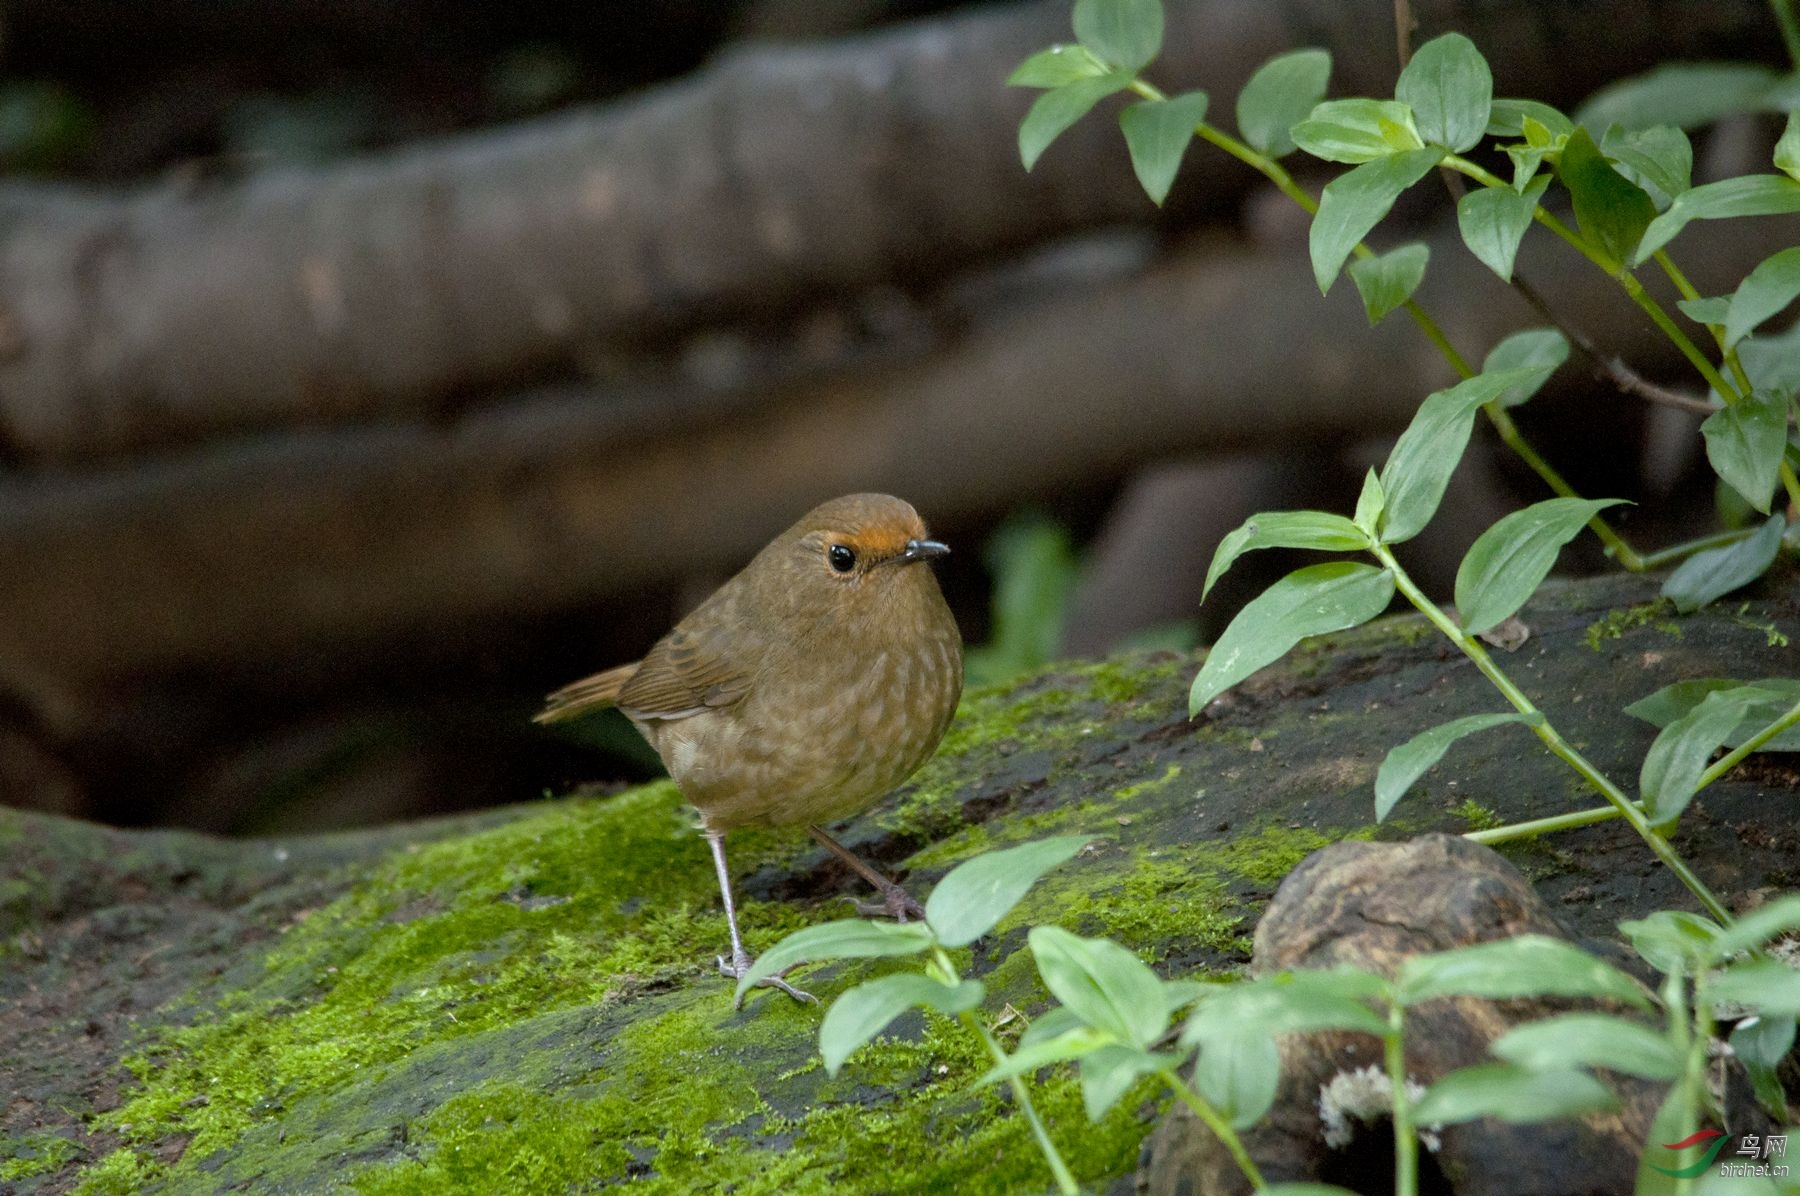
(525, 1000)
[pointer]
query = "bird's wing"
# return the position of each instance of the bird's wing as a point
(589, 694)
(687, 672)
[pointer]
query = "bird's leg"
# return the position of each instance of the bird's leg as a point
(895, 902)
(740, 958)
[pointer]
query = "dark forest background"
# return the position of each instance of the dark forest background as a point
(367, 371)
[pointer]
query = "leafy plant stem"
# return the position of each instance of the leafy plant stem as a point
(1065, 1181)
(1553, 739)
(1219, 1126)
(1790, 483)
(1542, 826)
(1790, 28)
(1406, 1139)
(1676, 552)
(1730, 759)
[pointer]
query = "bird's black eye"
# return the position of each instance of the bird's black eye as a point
(843, 557)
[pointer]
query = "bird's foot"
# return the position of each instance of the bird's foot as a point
(736, 967)
(895, 903)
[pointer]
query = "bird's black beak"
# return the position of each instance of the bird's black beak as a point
(924, 550)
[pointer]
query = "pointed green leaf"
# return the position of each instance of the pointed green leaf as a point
(1511, 1094)
(1509, 560)
(1611, 210)
(1284, 529)
(1506, 118)
(1761, 1045)
(848, 938)
(1682, 94)
(1157, 132)
(1770, 698)
(1449, 88)
(1787, 150)
(1671, 772)
(1354, 203)
(1410, 761)
(1759, 927)
(1125, 33)
(1770, 987)
(1102, 983)
(1310, 601)
(1718, 571)
(1389, 279)
(1493, 221)
(977, 893)
(1288, 1002)
(1745, 442)
(1532, 348)
(1281, 94)
(1108, 1074)
(1057, 109)
(1351, 130)
(1056, 66)
(866, 1010)
(1659, 159)
(1370, 504)
(1590, 1040)
(1529, 965)
(1746, 195)
(1765, 290)
(1238, 1074)
(1671, 941)
(1071, 1044)
(1427, 453)
(1706, 311)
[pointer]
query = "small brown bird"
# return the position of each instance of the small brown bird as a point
(805, 688)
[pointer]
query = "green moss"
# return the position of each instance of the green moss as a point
(1130, 791)
(1478, 816)
(1617, 622)
(35, 1154)
(124, 1172)
(1157, 907)
(1267, 856)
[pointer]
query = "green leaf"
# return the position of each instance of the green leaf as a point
(848, 938)
(1671, 773)
(1389, 279)
(1659, 159)
(1052, 1023)
(1613, 211)
(1427, 453)
(1681, 94)
(1060, 107)
(865, 1011)
(1761, 1045)
(1282, 92)
(1508, 561)
(1034, 570)
(1284, 529)
(1718, 571)
(1354, 203)
(1408, 762)
(1353, 130)
(1450, 90)
(1590, 1040)
(1105, 985)
(1334, 999)
(1125, 33)
(1673, 1122)
(1773, 360)
(1071, 1044)
(1157, 132)
(1369, 505)
(1671, 941)
(1759, 927)
(1770, 987)
(1056, 66)
(1310, 601)
(1787, 150)
(1493, 221)
(1238, 1074)
(1108, 1074)
(1745, 441)
(1672, 701)
(1506, 118)
(977, 893)
(1746, 195)
(1533, 348)
(1765, 290)
(1529, 965)
(1512, 1095)
(1706, 311)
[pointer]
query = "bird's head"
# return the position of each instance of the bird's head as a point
(857, 550)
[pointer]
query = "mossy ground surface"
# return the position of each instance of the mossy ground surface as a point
(524, 1001)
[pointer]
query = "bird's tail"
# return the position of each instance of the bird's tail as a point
(590, 693)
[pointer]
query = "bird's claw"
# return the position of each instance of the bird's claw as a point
(895, 903)
(735, 969)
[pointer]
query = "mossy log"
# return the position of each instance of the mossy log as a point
(525, 1000)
